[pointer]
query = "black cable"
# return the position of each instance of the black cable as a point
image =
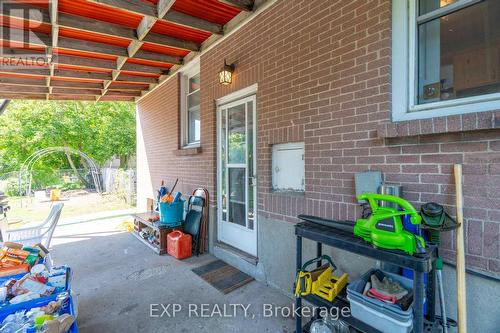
(449, 322)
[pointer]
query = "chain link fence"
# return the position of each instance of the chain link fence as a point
(117, 181)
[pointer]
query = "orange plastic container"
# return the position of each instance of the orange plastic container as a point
(179, 244)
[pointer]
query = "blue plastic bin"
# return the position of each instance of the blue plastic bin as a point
(172, 213)
(383, 316)
(355, 290)
(11, 308)
(4, 312)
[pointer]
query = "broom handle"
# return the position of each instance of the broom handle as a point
(173, 187)
(461, 291)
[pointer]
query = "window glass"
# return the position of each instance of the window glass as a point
(194, 99)
(237, 207)
(194, 125)
(459, 54)
(193, 109)
(194, 83)
(236, 135)
(426, 6)
(250, 162)
(223, 143)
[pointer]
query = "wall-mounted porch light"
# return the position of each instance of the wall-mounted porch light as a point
(226, 74)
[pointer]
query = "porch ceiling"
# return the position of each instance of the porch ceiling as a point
(107, 50)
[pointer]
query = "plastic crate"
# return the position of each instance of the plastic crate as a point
(171, 214)
(355, 292)
(11, 308)
(4, 312)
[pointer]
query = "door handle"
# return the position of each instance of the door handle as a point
(252, 181)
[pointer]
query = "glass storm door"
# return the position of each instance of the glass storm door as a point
(237, 193)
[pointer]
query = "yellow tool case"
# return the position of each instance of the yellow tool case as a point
(320, 281)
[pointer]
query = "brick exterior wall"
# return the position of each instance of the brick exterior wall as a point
(323, 74)
(158, 154)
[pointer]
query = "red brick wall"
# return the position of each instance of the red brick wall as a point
(159, 121)
(323, 74)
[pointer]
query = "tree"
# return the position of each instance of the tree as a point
(101, 130)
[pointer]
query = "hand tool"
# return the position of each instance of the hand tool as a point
(321, 281)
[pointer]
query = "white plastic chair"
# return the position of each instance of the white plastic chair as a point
(41, 233)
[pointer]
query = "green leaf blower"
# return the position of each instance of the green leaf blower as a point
(384, 227)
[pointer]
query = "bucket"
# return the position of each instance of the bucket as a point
(171, 213)
(55, 195)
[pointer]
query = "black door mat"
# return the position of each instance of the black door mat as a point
(222, 276)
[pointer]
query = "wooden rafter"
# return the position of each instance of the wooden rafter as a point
(86, 57)
(147, 10)
(193, 22)
(71, 97)
(68, 91)
(137, 7)
(30, 89)
(135, 78)
(25, 12)
(83, 62)
(21, 95)
(20, 81)
(43, 40)
(76, 85)
(246, 5)
(37, 71)
(134, 48)
(164, 6)
(113, 92)
(82, 74)
(41, 15)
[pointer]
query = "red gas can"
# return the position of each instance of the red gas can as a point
(179, 244)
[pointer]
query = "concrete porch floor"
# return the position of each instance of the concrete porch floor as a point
(117, 279)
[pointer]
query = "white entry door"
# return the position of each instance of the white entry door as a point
(237, 190)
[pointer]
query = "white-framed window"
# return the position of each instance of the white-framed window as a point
(190, 105)
(445, 57)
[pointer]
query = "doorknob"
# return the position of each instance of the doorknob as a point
(252, 181)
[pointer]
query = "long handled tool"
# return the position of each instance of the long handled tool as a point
(173, 187)
(439, 275)
(168, 197)
(461, 294)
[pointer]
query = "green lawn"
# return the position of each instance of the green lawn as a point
(76, 203)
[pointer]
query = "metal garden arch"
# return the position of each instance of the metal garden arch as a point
(27, 167)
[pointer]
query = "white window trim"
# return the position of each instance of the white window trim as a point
(404, 66)
(187, 72)
(239, 94)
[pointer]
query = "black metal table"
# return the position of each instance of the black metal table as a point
(348, 242)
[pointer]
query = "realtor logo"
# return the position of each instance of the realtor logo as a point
(25, 35)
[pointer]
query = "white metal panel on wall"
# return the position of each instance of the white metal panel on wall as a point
(288, 167)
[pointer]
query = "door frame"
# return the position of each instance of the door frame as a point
(237, 98)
